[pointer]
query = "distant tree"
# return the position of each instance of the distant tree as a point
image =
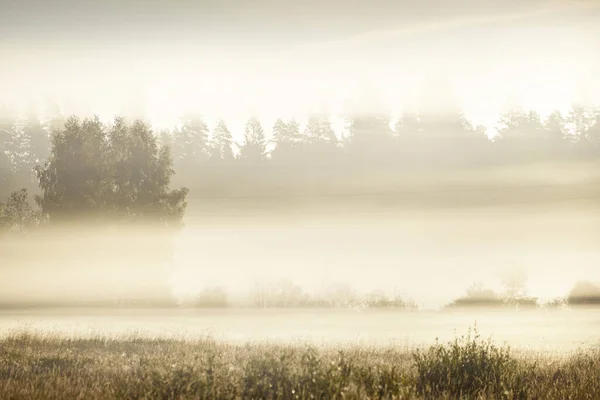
(520, 136)
(190, 143)
(515, 289)
(287, 138)
(319, 131)
(119, 158)
(370, 139)
(579, 120)
(254, 148)
(222, 143)
(321, 140)
(72, 181)
(519, 125)
(369, 129)
(477, 296)
(150, 177)
(211, 297)
(555, 134)
(117, 174)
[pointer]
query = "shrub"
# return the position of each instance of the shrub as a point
(466, 366)
(214, 297)
(584, 293)
(558, 302)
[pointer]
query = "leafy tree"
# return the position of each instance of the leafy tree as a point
(222, 143)
(254, 148)
(118, 157)
(73, 179)
(150, 169)
(119, 173)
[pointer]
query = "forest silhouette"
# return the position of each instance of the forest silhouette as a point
(296, 159)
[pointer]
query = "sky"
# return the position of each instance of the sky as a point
(233, 58)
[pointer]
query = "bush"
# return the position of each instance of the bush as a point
(556, 303)
(584, 293)
(214, 297)
(467, 366)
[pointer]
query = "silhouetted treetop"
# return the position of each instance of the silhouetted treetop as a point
(222, 143)
(117, 174)
(190, 142)
(254, 148)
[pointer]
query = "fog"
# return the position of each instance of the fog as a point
(431, 257)
(555, 332)
(225, 61)
(428, 246)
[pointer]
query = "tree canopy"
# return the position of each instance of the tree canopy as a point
(116, 174)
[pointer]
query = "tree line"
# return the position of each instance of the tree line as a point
(86, 167)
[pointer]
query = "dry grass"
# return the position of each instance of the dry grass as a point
(34, 367)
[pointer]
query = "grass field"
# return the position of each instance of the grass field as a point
(48, 366)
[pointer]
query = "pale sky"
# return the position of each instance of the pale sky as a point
(285, 58)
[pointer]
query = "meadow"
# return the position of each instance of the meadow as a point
(36, 366)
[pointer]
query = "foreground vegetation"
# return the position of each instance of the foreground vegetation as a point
(33, 366)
